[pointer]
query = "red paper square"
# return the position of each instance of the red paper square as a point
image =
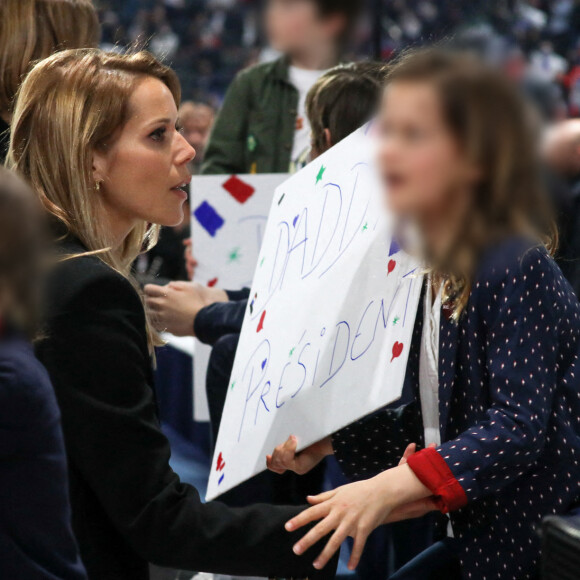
(238, 189)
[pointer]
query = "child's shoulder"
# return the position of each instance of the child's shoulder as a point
(25, 386)
(276, 69)
(520, 266)
(515, 258)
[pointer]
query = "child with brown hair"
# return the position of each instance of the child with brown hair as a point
(36, 538)
(492, 373)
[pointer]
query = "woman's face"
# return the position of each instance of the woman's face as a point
(143, 172)
(420, 161)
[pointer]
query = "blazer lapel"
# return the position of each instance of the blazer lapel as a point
(448, 342)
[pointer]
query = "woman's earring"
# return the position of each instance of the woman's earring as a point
(97, 186)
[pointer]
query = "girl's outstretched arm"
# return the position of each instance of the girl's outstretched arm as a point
(356, 509)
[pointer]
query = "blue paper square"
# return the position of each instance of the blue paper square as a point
(209, 218)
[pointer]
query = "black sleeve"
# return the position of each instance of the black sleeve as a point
(96, 356)
(235, 295)
(219, 319)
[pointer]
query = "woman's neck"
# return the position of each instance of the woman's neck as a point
(117, 227)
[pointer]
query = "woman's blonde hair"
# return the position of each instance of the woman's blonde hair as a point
(70, 105)
(493, 126)
(31, 30)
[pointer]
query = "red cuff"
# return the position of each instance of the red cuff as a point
(435, 474)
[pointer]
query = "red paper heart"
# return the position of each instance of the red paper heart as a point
(261, 324)
(397, 350)
(391, 266)
(213, 282)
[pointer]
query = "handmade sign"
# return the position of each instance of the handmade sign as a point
(328, 327)
(229, 215)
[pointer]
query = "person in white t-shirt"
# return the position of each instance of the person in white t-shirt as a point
(262, 126)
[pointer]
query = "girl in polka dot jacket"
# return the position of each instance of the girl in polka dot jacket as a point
(492, 387)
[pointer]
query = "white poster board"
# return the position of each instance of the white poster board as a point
(229, 215)
(327, 332)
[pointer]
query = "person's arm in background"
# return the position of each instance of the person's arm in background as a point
(97, 357)
(187, 309)
(227, 146)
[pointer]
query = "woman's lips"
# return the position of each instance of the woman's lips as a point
(180, 193)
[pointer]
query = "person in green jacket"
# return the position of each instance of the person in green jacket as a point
(263, 126)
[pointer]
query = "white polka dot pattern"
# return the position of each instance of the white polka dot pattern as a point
(509, 411)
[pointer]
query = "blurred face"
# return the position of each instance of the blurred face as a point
(421, 163)
(144, 171)
(294, 26)
(196, 128)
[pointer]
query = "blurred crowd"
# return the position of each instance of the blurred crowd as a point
(209, 41)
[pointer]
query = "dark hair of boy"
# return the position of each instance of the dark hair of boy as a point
(21, 250)
(350, 9)
(343, 100)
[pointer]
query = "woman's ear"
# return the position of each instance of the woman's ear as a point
(99, 167)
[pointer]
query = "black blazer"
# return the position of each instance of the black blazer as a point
(36, 537)
(129, 507)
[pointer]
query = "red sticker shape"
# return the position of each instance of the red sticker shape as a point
(397, 350)
(261, 324)
(391, 266)
(220, 463)
(212, 283)
(238, 189)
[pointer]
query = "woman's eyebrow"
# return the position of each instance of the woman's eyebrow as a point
(164, 121)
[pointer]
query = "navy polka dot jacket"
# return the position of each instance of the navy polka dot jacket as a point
(509, 409)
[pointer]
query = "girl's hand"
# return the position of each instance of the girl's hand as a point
(356, 509)
(285, 457)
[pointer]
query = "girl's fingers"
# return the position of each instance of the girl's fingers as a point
(322, 497)
(270, 465)
(314, 535)
(357, 550)
(307, 516)
(411, 448)
(288, 453)
(332, 546)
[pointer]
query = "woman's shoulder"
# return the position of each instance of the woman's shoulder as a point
(80, 279)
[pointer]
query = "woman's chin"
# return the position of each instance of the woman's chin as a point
(171, 219)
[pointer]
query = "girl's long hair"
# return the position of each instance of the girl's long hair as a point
(493, 126)
(70, 105)
(31, 30)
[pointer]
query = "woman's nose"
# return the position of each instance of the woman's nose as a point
(186, 152)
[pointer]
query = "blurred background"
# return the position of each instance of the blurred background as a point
(209, 41)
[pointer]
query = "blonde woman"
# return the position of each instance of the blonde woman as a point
(31, 30)
(95, 135)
